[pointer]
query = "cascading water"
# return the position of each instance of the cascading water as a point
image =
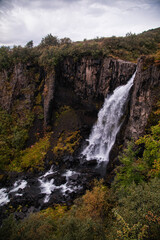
(103, 134)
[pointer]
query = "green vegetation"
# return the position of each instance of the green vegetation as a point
(129, 209)
(99, 214)
(137, 168)
(138, 204)
(33, 157)
(67, 136)
(67, 143)
(51, 50)
(13, 135)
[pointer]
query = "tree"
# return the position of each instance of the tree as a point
(49, 40)
(65, 41)
(29, 44)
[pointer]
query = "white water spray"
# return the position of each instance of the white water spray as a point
(48, 187)
(4, 192)
(104, 132)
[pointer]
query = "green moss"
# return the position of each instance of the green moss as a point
(13, 135)
(67, 143)
(32, 157)
(38, 99)
(61, 112)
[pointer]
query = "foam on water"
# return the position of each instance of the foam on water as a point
(4, 192)
(48, 186)
(20, 184)
(3, 196)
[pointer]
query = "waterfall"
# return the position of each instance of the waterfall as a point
(103, 134)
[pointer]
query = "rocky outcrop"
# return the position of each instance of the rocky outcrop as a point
(81, 81)
(14, 87)
(146, 90)
(18, 87)
(93, 78)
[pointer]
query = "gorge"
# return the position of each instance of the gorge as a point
(64, 125)
(95, 79)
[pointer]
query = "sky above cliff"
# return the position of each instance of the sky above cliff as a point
(25, 20)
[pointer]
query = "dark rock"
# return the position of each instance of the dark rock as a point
(19, 215)
(91, 162)
(33, 181)
(24, 209)
(31, 209)
(68, 159)
(145, 92)
(56, 197)
(50, 176)
(74, 177)
(41, 202)
(60, 180)
(48, 94)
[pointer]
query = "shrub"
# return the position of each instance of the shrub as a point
(132, 169)
(67, 143)
(72, 228)
(8, 228)
(137, 201)
(95, 204)
(33, 157)
(151, 154)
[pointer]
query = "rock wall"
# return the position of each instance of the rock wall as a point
(93, 78)
(146, 90)
(48, 95)
(82, 81)
(18, 87)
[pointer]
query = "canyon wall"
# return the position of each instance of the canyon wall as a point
(81, 84)
(92, 78)
(145, 94)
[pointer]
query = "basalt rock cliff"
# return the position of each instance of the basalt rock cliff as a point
(85, 82)
(64, 101)
(145, 93)
(82, 84)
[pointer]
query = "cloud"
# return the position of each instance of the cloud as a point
(22, 21)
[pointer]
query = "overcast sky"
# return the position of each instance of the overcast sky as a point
(25, 20)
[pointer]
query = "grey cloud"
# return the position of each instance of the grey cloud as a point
(5, 4)
(23, 20)
(36, 3)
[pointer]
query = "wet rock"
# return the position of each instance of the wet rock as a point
(49, 177)
(68, 159)
(60, 180)
(33, 181)
(41, 202)
(56, 197)
(92, 78)
(74, 177)
(91, 162)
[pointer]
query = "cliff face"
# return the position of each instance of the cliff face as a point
(146, 91)
(81, 84)
(92, 78)
(18, 87)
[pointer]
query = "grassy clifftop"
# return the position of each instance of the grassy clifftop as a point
(51, 49)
